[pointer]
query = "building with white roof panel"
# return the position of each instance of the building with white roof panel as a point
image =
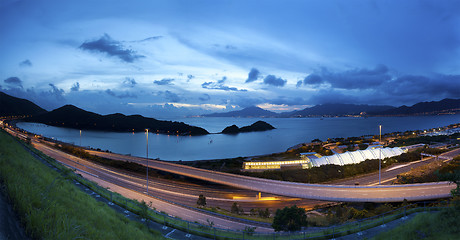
(313, 159)
(358, 156)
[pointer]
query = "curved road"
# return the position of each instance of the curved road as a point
(392, 193)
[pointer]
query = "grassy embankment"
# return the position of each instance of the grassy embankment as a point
(439, 225)
(51, 207)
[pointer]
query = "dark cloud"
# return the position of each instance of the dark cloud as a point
(253, 75)
(13, 82)
(75, 87)
(190, 77)
(274, 81)
(170, 96)
(112, 48)
(151, 38)
(56, 92)
(129, 82)
(25, 63)
(219, 85)
(313, 79)
(298, 84)
(205, 97)
(359, 78)
(120, 95)
(164, 81)
(403, 90)
(422, 87)
(230, 47)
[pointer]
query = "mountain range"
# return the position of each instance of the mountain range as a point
(339, 109)
(13, 106)
(73, 117)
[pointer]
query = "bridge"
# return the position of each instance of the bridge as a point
(387, 193)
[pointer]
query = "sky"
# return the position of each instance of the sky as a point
(170, 58)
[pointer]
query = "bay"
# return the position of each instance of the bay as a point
(288, 132)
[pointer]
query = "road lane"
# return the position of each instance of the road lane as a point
(133, 190)
(411, 192)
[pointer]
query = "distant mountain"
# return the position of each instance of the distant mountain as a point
(337, 109)
(73, 117)
(13, 106)
(245, 113)
(423, 108)
(255, 127)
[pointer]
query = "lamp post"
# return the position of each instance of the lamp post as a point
(80, 137)
(380, 153)
(147, 161)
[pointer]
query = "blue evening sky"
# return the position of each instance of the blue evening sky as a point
(172, 58)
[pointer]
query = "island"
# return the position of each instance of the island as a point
(258, 126)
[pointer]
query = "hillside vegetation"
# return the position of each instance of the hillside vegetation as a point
(51, 207)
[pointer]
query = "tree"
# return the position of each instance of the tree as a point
(236, 209)
(289, 219)
(201, 200)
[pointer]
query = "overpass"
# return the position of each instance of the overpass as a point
(388, 193)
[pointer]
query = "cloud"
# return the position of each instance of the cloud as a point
(170, 96)
(151, 38)
(332, 96)
(48, 98)
(164, 81)
(129, 82)
(75, 87)
(120, 95)
(219, 85)
(298, 84)
(13, 82)
(274, 81)
(358, 78)
(423, 87)
(57, 92)
(205, 97)
(112, 48)
(406, 89)
(289, 101)
(25, 63)
(313, 79)
(190, 77)
(253, 75)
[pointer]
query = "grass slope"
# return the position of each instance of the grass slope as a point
(53, 208)
(439, 225)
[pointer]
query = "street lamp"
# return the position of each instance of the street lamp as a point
(80, 138)
(147, 161)
(380, 153)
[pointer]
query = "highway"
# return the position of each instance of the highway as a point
(131, 187)
(411, 192)
(392, 193)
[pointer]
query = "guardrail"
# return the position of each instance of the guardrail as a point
(210, 231)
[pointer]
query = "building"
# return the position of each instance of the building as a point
(312, 159)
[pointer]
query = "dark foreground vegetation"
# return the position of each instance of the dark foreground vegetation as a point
(51, 207)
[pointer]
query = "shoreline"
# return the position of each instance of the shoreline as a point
(246, 157)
